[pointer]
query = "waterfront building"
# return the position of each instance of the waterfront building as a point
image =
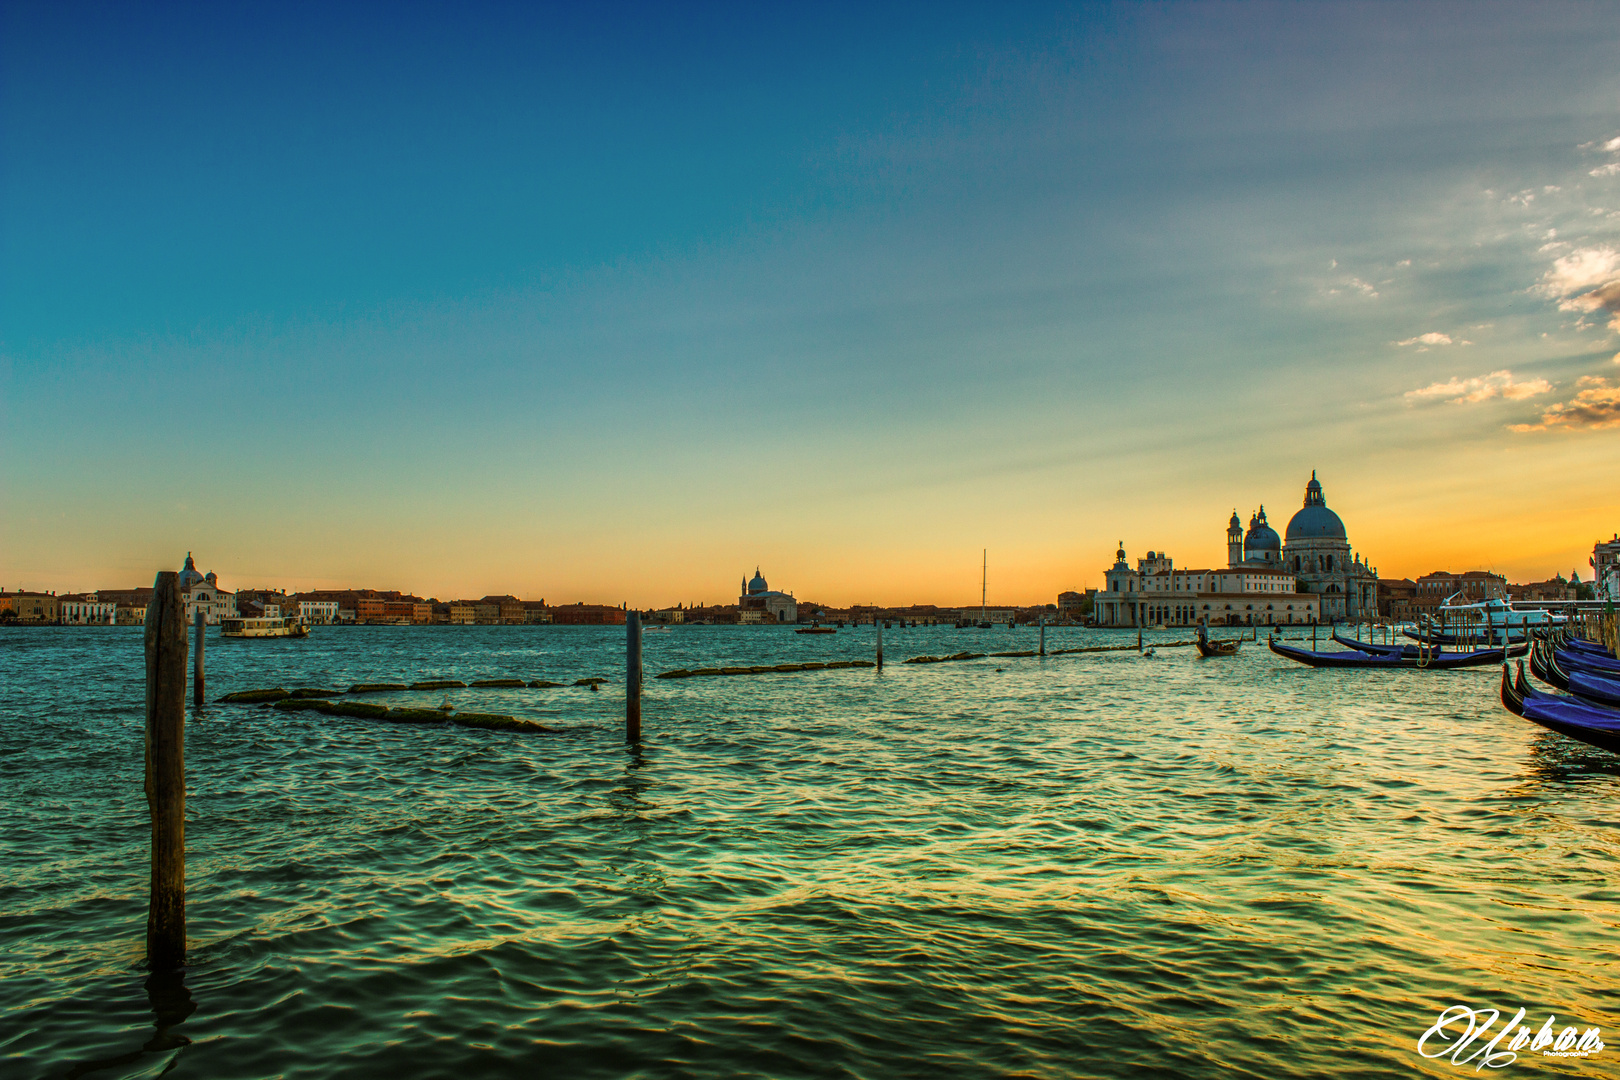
(201, 592)
(1605, 564)
(26, 606)
(85, 609)
(1439, 586)
(587, 615)
(1554, 589)
(759, 603)
(1396, 598)
(318, 612)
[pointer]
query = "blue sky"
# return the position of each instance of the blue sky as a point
(615, 304)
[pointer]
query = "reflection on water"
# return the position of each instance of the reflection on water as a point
(1088, 865)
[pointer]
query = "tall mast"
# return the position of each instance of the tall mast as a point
(984, 577)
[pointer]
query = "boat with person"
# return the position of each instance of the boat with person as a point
(816, 628)
(264, 626)
(1224, 647)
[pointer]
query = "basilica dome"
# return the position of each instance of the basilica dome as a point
(1262, 537)
(1315, 521)
(758, 585)
(189, 575)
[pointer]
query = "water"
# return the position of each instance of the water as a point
(1086, 865)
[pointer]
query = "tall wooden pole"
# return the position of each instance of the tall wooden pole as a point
(1043, 635)
(197, 677)
(166, 771)
(879, 623)
(632, 677)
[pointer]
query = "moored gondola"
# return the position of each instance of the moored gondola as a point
(1414, 652)
(1594, 725)
(1428, 660)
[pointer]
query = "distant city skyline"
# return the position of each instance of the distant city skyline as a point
(595, 307)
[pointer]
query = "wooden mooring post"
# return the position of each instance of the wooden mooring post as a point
(879, 624)
(198, 679)
(632, 677)
(1043, 636)
(166, 771)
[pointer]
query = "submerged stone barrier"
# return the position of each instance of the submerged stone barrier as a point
(376, 687)
(765, 669)
(944, 659)
(253, 696)
(365, 710)
(439, 684)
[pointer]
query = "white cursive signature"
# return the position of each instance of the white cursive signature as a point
(1476, 1023)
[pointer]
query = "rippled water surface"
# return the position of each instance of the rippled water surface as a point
(1092, 865)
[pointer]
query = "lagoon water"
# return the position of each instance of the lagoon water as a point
(1082, 866)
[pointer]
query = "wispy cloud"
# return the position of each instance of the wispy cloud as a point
(1586, 280)
(1423, 341)
(1593, 409)
(1481, 388)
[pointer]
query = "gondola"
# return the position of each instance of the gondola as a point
(1437, 638)
(1412, 652)
(1591, 724)
(1435, 661)
(1581, 660)
(1206, 647)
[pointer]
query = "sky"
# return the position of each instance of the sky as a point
(614, 303)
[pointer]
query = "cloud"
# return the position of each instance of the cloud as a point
(1593, 409)
(1430, 338)
(1611, 169)
(1481, 388)
(1586, 280)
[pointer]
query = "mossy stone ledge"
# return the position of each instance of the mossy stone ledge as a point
(593, 680)
(543, 684)
(439, 684)
(313, 692)
(249, 696)
(418, 716)
(496, 684)
(496, 722)
(376, 687)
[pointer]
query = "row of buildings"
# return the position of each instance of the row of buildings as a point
(203, 592)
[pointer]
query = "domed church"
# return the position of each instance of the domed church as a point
(759, 603)
(1317, 551)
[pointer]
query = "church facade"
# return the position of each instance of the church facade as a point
(759, 603)
(201, 592)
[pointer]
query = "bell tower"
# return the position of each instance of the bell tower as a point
(1234, 541)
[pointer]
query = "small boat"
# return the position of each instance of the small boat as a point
(1206, 647)
(1428, 660)
(263, 626)
(817, 628)
(1592, 724)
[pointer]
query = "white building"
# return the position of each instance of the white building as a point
(1157, 594)
(201, 592)
(1606, 569)
(322, 612)
(84, 609)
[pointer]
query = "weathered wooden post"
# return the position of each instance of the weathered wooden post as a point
(197, 676)
(1138, 638)
(879, 624)
(632, 677)
(1043, 635)
(166, 771)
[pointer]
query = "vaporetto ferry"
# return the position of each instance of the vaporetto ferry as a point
(264, 626)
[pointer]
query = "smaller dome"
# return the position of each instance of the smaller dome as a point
(757, 585)
(188, 574)
(1262, 537)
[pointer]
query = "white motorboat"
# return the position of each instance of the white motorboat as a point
(263, 626)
